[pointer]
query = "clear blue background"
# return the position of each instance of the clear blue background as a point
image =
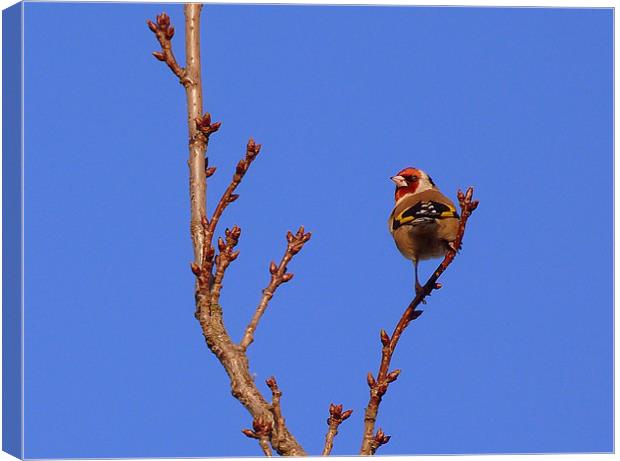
(514, 354)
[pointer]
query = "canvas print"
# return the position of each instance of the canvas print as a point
(261, 230)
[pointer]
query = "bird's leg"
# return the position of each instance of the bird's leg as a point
(418, 287)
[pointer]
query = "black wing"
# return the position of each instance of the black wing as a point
(424, 212)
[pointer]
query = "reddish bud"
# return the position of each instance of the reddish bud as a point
(233, 197)
(249, 433)
(216, 126)
(289, 236)
(271, 382)
(300, 232)
(257, 425)
(381, 438)
(287, 277)
(151, 25)
(252, 149)
(370, 379)
(273, 268)
(170, 33)
(195, 269)
(206, 119)
(438, 286)
(159, 55)
(416, 314)
(261, 427)
(346, 414)
(210, 171)
(234, 255)
(163, 19)
(385, 339)
(391, 377)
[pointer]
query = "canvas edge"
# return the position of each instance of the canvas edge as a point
(12, 345)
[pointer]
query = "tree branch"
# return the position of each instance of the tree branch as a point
(336, 417)
(190, 77)
(278, 277)
(242, 384)
(208, 284)
(378, 387)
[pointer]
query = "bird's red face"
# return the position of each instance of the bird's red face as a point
(407, 182)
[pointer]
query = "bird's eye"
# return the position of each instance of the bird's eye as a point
(412, 178)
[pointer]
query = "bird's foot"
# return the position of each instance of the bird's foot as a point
(453, 247)
(418, 291)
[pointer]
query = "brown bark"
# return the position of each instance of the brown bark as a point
(197, 141)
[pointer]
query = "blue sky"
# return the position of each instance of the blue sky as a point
(514, 354)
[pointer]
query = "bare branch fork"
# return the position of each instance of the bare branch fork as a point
(268, 424)
(378, 387)
(209, 268)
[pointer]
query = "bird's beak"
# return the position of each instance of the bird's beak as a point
(399, 181)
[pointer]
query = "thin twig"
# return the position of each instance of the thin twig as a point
(223, 260)
(378, 386)
(336, 417)
(276, 394)
(164, 33)
(251, 152)
(203, 271)
(278, 277)
(264, 444)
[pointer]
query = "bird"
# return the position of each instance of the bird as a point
(423, 222)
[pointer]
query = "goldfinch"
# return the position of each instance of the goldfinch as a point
(424, 222)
